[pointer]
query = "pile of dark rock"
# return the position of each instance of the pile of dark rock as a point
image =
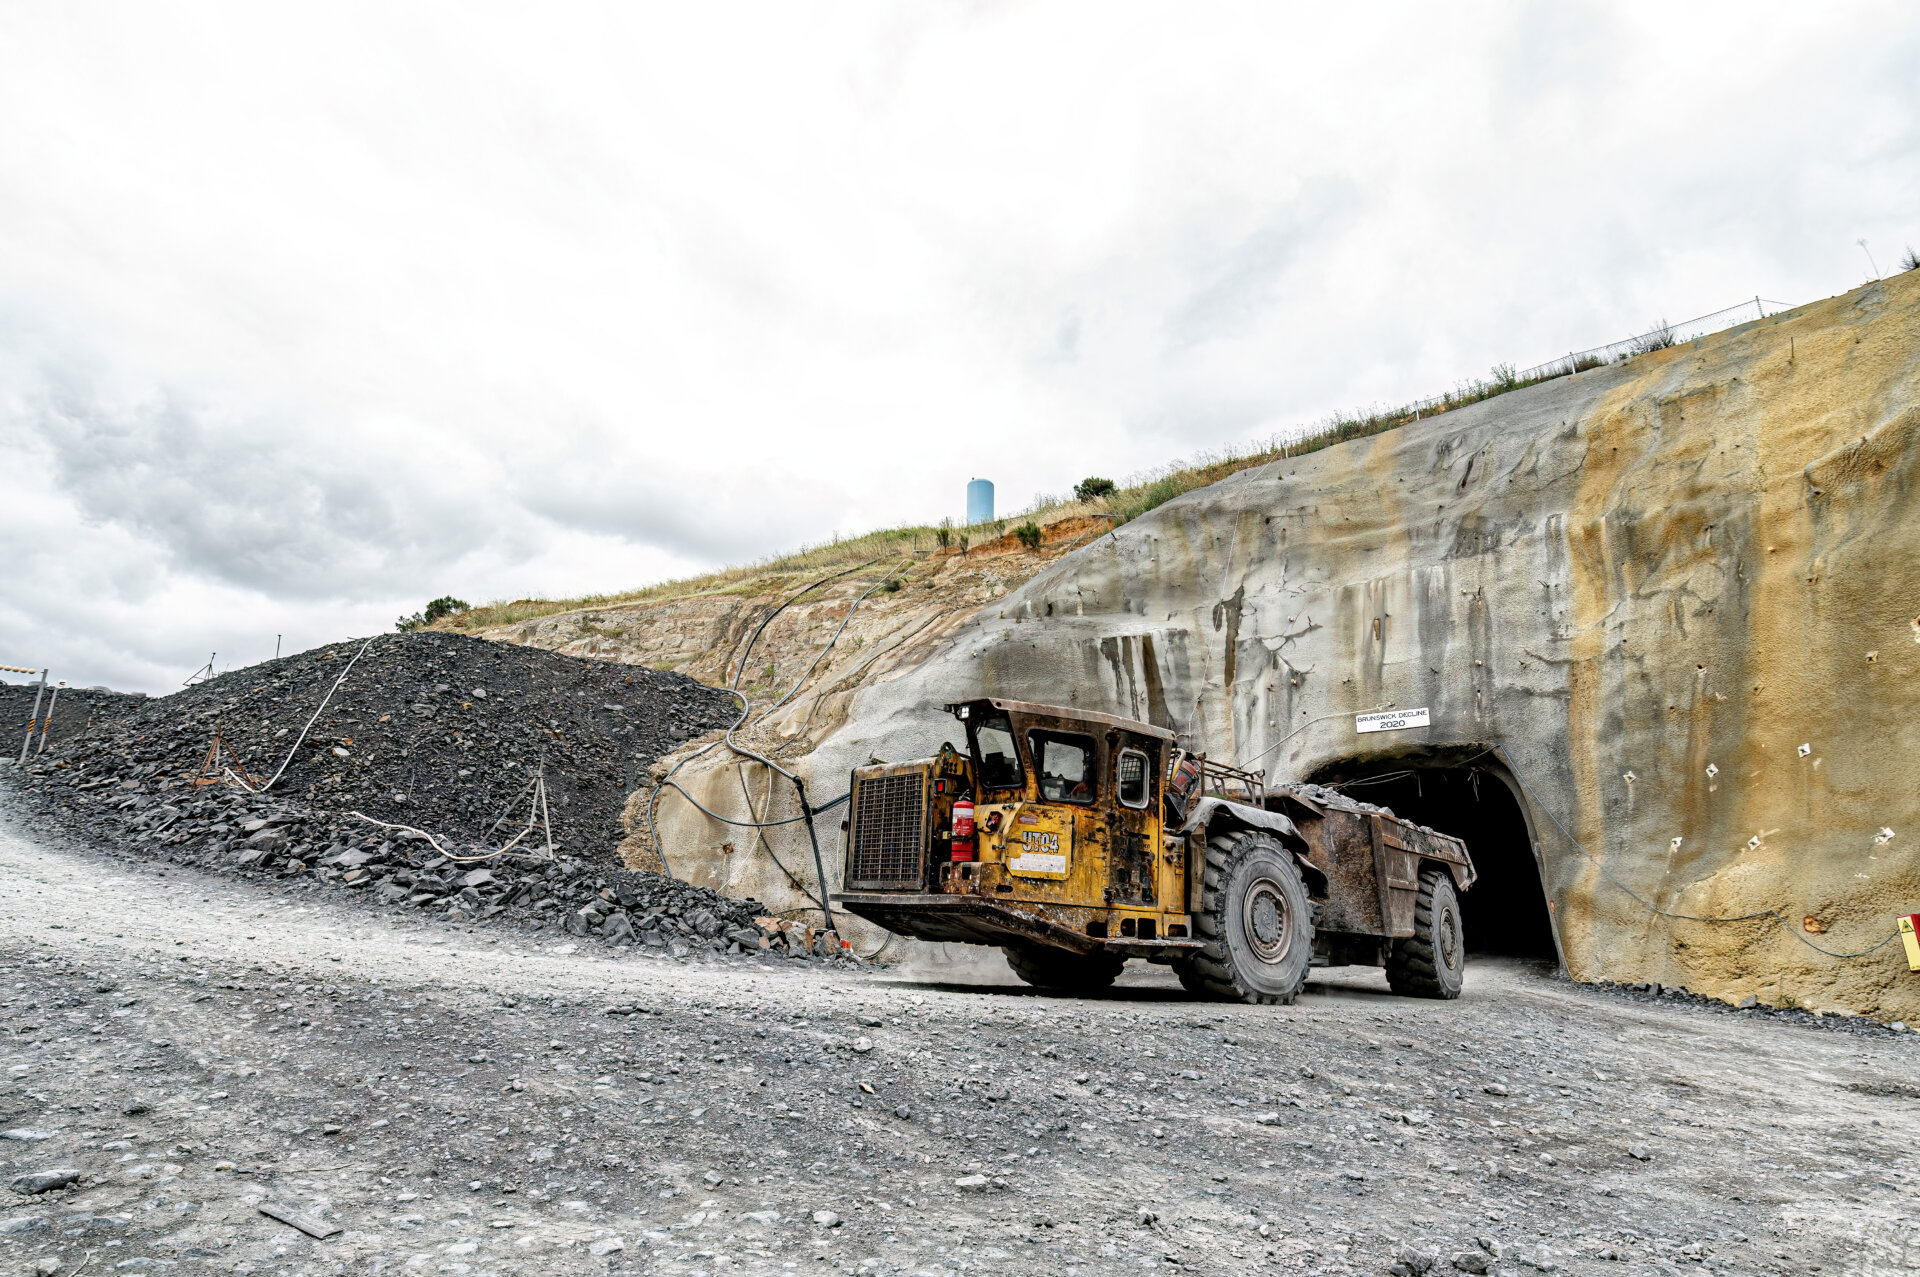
(1862, 1025)
(398, 791)
(614, 905)
(438, 731)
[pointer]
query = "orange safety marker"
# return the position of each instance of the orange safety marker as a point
(209, 765)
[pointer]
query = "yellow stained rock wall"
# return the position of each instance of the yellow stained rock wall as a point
(1744, 544)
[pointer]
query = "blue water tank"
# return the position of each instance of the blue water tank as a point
(980, 501)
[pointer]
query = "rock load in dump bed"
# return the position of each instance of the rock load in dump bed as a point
(439, 733)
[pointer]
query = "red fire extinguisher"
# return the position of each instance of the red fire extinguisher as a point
(963, 829)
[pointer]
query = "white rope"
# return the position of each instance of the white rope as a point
(304, 730)
(537, 818)
(434, 843)
(406, 829)
(540, 792)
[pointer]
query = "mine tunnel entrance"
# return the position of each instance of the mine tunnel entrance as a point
(1473, 799)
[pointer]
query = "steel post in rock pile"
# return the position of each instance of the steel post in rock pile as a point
(39, 692)
(46, 724)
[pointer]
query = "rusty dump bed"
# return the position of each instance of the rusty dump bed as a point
(1369, 857)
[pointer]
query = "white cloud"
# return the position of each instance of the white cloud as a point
(308, 316)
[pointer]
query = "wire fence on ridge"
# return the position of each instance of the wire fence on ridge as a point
(1659, 337)
(1199, 469)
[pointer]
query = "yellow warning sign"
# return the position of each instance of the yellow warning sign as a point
(1912, 941)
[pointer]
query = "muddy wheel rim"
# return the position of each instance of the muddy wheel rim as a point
(1266, 920)
(1449, 939)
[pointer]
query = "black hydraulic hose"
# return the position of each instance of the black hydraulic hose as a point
(759, 840)
(819, 865)
(747, 824)
(746, 708)
(653, 799)
(768, 618)
(795, 689)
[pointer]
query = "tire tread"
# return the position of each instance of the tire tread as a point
(1413, 968)
(1058, 969)
(1209, 973)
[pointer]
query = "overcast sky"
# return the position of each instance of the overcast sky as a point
(309, 314)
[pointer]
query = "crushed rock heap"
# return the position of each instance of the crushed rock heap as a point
(441, 732)
(435, 737)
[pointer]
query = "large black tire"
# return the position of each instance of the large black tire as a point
(1256, 920)
(1432, 962)
(1058, 969)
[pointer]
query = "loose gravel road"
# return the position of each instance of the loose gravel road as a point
(455, 1101)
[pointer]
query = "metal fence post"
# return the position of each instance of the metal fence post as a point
(46, 724)
(25, 744)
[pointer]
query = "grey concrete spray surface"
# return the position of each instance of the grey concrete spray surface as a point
(463, 1102)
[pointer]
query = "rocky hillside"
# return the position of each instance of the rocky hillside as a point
(888, 596)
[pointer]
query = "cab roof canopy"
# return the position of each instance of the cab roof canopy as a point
(1062, 711)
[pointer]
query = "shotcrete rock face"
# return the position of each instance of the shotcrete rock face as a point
(1649, 585)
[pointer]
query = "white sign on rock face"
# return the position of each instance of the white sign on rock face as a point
(1392, 720)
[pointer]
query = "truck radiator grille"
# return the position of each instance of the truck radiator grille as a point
(888, 834)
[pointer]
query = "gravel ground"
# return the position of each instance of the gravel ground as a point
(467, 1100)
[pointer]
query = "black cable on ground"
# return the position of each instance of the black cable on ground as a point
(750, 824)
(795, 689)
(1606, 873)
(807, 811)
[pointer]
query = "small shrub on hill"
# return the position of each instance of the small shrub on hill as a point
(444, 606)
(1660, 337)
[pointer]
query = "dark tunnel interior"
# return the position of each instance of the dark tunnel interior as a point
(1506, 910)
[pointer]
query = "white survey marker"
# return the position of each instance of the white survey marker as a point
(1392, 720)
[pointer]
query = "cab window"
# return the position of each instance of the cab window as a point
(993, 746)
(1131, 781)
(1066, 763)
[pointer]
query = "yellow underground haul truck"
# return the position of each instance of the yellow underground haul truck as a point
(1076, 840)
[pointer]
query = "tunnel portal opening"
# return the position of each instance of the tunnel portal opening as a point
(1505, 912)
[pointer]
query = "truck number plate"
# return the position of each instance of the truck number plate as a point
(1039, 854)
